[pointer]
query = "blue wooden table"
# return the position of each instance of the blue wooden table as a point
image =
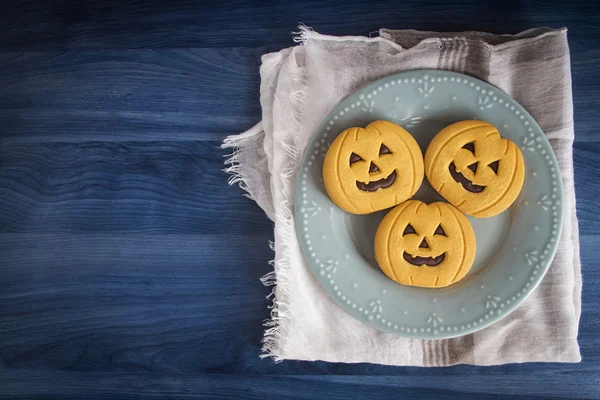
(129, 269)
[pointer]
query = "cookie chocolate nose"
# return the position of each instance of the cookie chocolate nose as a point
(373, 168)
(473, 167)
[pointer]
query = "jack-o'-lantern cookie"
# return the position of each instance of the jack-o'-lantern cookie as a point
(475, 169)
(426, 245)
(373, 168)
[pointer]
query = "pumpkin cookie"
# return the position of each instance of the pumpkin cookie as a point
(475, 169)
(373, 168)
(426, 245)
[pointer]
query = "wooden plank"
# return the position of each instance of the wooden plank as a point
(587, 186)
(589, 340)
(585, 76)
(138, 302)
(60, 24)
(168, 187)
(139, 95)
(91, 385)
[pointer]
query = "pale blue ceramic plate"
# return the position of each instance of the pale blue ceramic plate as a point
(514, 249)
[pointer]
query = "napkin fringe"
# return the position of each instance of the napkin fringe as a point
(278, 325)
(279, 321)
(306, 33)
(274, 324)
(303, 34)
(234, 170)
(233, 161)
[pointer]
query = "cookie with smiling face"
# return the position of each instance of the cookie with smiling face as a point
(474, 168)
(372, 168)
(426, 245)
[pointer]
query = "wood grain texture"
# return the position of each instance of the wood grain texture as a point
(30, 25)
(131, 302)
(587, 184)
(61, 385)
(170, 187)
(139, 95)
(130, 270)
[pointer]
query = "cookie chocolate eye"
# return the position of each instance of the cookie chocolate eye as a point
(408, 230)
(494, 166)
(354, 158)
(439, 231)
(470, 147)
(384, 150)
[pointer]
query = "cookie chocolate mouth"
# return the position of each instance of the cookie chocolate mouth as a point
(429, 261)
(460, 178)
(379, 184)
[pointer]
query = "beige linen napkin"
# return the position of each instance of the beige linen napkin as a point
(300, 86)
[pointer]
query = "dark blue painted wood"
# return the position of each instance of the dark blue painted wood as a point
(128, 269)
(158, 187)
(182, 94)
(107, 385)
